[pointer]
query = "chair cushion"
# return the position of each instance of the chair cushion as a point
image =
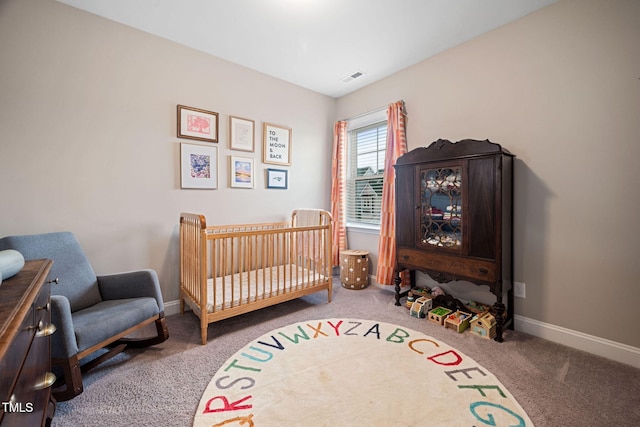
(105, 319)
(78, 281)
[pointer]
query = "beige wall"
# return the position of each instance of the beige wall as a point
(87, 114)
(560, 89)
(88, 141)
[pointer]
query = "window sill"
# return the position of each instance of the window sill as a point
(363, 228)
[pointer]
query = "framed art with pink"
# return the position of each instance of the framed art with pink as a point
(194, 123)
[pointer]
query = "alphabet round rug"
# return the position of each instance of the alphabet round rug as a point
(349, 372)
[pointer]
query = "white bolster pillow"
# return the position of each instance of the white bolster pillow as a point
(11, 262)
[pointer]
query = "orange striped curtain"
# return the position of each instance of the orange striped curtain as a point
(396, 147)
(338, 189)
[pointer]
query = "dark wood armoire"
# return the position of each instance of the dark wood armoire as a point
(454, 218)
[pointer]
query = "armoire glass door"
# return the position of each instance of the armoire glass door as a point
(440, 207)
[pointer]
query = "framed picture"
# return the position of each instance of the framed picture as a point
(277, 144)
(194, 123)
(277, 178)
(198, 166)
(241, 134)
(242, 172)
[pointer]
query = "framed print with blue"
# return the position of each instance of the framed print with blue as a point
(198, 166)
(241, 171)
(278, 178)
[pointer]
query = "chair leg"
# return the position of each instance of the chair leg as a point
(114, 350)
(161, 328)
(72, 372)
(162, 334)
(72, 379)
(70, 385)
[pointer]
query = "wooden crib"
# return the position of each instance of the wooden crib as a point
(234, 269)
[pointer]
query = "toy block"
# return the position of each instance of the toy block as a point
(458, 321)
(483, 325)
(438, 314)
(421, 307)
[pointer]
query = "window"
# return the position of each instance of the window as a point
(365, 172)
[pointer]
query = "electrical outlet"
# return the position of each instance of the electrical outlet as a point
(519, 290)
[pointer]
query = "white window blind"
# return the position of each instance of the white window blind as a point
(365, 171)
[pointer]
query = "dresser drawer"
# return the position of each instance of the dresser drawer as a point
(11, 364)
(33, 388)
(474, 269)
(42, 306)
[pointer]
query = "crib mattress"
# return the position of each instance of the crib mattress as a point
(255, 285)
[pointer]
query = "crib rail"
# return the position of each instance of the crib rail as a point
(266, 263)
(237, 228)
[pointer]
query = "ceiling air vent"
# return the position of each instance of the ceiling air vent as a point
(352, 77)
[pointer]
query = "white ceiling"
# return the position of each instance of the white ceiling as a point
(316, 43)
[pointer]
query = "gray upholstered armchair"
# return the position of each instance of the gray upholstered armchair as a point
(91, 312)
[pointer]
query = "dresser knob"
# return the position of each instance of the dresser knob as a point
(45, 381)
(38, 326)
(46, 307)
(45, 331)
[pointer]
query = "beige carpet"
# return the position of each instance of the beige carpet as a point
(350, 372)
(162, 385)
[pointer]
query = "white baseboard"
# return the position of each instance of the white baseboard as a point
(591, 344)
(172, 307)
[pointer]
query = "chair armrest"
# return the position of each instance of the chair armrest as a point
(63, 341)
(133, 284)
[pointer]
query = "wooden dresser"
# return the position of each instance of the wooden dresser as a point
(25, 347)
